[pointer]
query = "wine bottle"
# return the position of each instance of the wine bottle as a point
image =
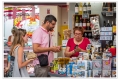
(110, 6)
(80, 8)
(84, 24)
(112, 24)
(76, 8)
(108, 24)
(80, 22)
(85, 34)
(114, 28)
(104, 4)
(114, 6)
(88, 25)
(104, 24)
(84, 8)
(89, 8)
(76, 21)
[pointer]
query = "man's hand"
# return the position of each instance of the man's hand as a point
(59, 47)
(56, 49)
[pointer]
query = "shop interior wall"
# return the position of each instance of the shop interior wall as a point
(8, 25)
(96, 8)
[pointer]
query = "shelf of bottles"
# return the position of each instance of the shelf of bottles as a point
(82, 18)
(85, 23)
(108, 8)
(108, 34)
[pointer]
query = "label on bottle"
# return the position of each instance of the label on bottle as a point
(80, 24)
(76, 9)
(88, 8)
(84, 9)
(85, 34)
(80, 8)
(76, 24)
(89, 34)
(88, 24)
(84, 24)
(114, 29)
(114, 8)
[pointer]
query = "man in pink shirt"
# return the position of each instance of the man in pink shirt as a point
(40, 40)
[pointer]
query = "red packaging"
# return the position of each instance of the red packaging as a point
(113, 51)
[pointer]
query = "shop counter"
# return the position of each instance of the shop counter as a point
(32, 74)
(51, 75)
(56, 75)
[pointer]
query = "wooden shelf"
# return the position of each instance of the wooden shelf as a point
(87, 31)
(114, 33)
(89, 15)
(108, 11)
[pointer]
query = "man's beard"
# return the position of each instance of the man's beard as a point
(50, 29)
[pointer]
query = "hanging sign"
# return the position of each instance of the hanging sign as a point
(48, 11)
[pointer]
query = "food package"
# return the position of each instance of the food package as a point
(31, 55)
(54, 66)
(97, 73)
(97, 64)
(89, 73)
(82, 64)
(82, 73)
(69, 69)
(106, 73)
(106, 64)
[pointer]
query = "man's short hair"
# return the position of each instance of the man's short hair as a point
(50, 18)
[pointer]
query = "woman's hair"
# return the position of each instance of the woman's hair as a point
(13, 30)
(19, 33)
(79, 29)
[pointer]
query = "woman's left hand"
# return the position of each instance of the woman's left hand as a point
(78, 49)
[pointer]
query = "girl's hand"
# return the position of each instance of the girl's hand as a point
(31, 60)
(6, 69)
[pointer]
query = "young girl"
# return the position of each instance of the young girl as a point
(18, 63)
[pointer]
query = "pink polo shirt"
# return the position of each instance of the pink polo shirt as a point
(41, 36)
